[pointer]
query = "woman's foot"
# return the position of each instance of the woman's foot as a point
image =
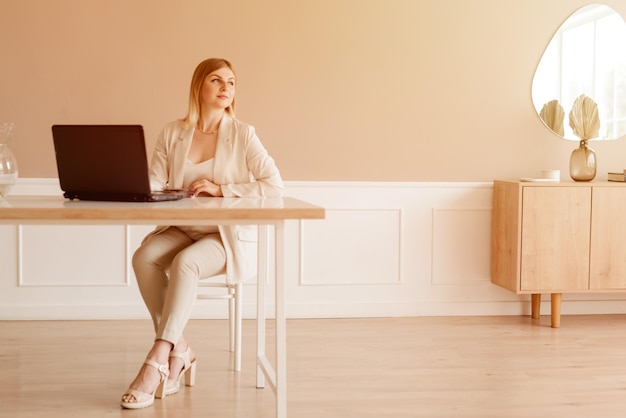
(151, 379)
(181, 362)
(149, 383)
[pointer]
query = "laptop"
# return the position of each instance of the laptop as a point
(105, 162)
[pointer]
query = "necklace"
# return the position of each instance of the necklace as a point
(206, 133)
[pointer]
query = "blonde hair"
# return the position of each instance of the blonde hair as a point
(203, 69)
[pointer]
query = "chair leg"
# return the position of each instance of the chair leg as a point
(238, 317)
(235, 307)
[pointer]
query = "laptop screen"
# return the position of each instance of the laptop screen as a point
(101, 159)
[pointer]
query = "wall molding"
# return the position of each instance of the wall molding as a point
(385, 249)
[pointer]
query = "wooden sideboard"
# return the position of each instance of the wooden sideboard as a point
(558, 237)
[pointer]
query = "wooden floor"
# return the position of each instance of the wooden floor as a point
(385, 368)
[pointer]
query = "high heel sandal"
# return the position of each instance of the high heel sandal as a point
(189, 370)
(142, 399)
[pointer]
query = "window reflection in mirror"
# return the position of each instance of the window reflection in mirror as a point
(586, 56)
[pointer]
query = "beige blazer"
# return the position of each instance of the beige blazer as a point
(242, 167)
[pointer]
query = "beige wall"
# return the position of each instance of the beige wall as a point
(394, 90)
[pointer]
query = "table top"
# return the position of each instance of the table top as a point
(56, 209)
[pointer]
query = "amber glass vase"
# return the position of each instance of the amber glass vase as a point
(582, 163)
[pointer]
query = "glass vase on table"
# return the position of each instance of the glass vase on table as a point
(8, 164)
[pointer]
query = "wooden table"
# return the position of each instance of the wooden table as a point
(195, 211)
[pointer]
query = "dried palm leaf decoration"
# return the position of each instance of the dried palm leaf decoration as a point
(553, 115)
(584, 119)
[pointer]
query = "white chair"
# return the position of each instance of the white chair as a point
(234, 296)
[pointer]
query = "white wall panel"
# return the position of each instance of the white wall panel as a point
(352, 247)
(54, 255)
(461, 235)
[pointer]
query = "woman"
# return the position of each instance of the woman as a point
(210, 153)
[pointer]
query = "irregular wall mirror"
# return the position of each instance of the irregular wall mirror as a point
(586, 56)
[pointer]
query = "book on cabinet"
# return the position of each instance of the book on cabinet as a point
(617, 176)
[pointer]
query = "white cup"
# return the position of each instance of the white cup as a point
(551, 174)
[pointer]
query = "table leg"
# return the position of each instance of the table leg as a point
(535, 305)
(261, 284)
(281, 324)
(276, 376)
(556, 309)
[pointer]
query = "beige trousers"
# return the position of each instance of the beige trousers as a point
(168, 266)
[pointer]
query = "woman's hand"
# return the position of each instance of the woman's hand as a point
(204, 187)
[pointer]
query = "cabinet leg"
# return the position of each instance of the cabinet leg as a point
(535, 305)
(556, 309)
